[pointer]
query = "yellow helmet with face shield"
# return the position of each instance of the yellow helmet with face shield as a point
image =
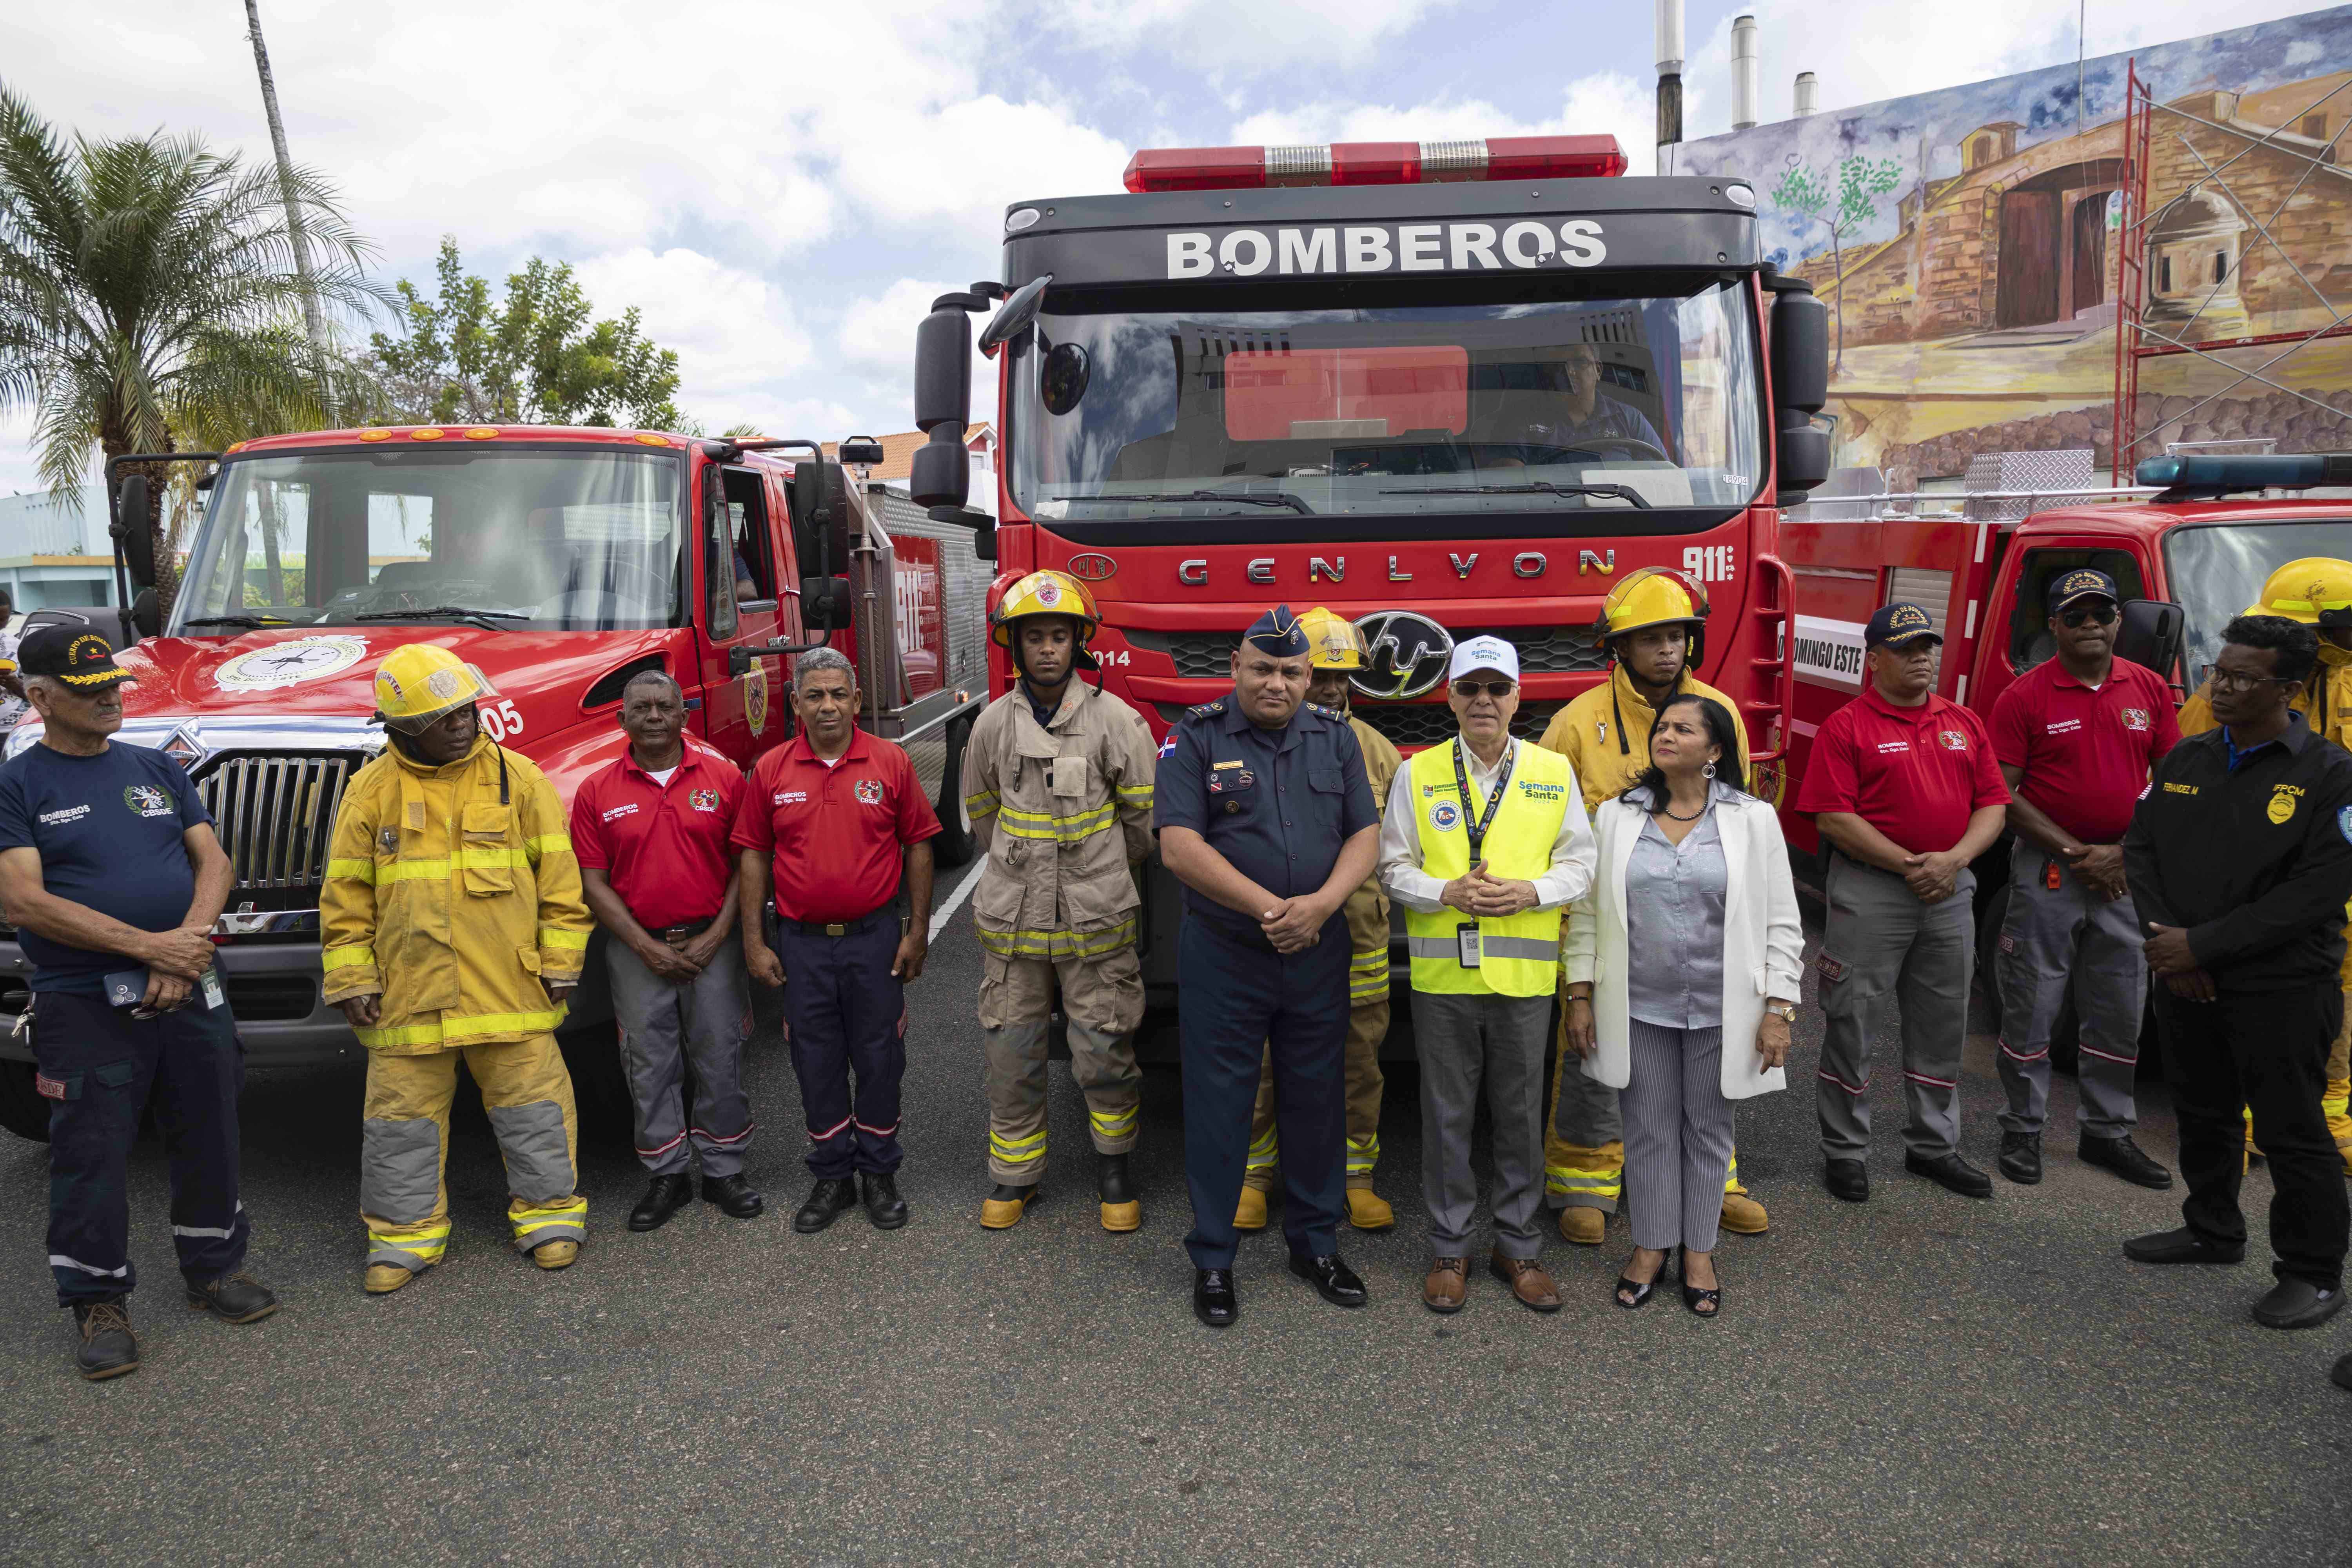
(420, 683)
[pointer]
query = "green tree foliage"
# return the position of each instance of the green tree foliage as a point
(1841, 202)
(535, 358)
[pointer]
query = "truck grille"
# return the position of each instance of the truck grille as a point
(1543, 650)
(274, 814)
(1418, 724)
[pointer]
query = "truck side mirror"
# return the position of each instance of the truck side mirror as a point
(941, 472)
(1800, 387)
(2151, 633)
(983, 526)
(824, 604)
(821, 496)
(132, 532)
(146, 615)
(1804, 453)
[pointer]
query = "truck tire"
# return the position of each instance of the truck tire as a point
(21, 1111)
(952, 845)
(2065, 1030)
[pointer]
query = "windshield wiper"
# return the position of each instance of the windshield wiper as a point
(1534, 486)
(1293, 502)
(250, 623)
(486, 619)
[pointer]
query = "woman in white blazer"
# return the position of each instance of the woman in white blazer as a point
(1682, 967)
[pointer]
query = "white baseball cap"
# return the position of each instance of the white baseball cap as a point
(1483, 653)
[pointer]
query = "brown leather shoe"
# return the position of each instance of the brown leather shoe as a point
(1447, 1285)
(1528, 1281)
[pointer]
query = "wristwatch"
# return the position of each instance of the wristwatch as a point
(1784, 1011)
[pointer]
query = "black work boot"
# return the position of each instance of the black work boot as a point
(827, 1201)
(2021, 1157)
(233, 1297)
(732, 1196)
(107, 1349)
(664, 1197)
(884, 1206)
(1122, 1211)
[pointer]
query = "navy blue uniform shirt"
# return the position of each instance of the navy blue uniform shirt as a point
(1277, 804)
(109, 829)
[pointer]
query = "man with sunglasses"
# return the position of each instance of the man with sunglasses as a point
(2075, 737)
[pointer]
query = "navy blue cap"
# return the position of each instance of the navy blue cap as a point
(1277, 632)
(1895, 625)
(2081, 583)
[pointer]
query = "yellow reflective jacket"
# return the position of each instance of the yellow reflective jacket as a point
(452, 893)
(1590, 730)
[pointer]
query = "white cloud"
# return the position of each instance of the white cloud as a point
(880, 331)
(739, 339)
(1239, 36)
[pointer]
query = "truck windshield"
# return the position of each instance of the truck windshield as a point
(2217, 569)
(1554, 406)
(575, 539)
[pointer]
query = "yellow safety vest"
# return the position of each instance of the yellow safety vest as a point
(1518, 955)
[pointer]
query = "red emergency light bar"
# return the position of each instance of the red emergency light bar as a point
(1374, 163)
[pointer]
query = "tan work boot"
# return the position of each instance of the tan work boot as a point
(1448, 1284)
(1250, 1213)
(1583, 1225)
(555, 1254)
(1000, 1213)
(1743, 1215)
(384, 1279)
(1367, 1210)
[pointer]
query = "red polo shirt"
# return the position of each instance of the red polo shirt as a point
(1916, 774)
(836, 834)
(664, 847)
(2085, 754)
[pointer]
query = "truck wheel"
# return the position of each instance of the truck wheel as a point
(599, 1086)
(21, 1111)
(2066, 1029)
(952, 845)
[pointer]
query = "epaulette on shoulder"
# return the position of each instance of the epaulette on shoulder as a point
(1331, 713)
(1205, 710)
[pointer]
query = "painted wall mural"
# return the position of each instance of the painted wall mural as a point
(1966, 242)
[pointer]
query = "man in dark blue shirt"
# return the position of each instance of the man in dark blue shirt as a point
(112, 877)
(1263, 814)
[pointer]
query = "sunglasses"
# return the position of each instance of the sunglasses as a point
(1495, 688)
(2105, 615)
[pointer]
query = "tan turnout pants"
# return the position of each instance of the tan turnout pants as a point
(1103, 1000)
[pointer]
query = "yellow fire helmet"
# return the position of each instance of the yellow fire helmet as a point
(1333, 641)
(2315, 590)
(419, 683)
(1655, 596)
(1044, 593)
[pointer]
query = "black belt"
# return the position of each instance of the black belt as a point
(857, 927)
(690, 928)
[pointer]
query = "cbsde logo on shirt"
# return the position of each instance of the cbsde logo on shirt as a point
(1391, 247)
(146, 800)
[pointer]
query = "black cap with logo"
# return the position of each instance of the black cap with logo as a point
(2081, 583)
(1899, 625)
(75, 655)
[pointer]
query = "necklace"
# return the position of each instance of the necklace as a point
(1668, 810)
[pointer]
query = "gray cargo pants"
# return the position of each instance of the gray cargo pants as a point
(1467, 1043)
(2052, 936)
(664, 1025)
(1880, 938)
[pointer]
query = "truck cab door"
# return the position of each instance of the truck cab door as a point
(740, 603)
(2019, 636)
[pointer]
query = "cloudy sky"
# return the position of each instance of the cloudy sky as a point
(781, 187)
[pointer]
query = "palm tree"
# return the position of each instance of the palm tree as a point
(149, 296)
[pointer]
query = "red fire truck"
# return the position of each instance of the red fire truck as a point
(562, 561)
(1444, 388)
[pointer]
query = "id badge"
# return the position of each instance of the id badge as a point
(212, 987)
(1466, 935)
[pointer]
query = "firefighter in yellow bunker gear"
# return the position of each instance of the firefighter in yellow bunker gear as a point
(1058, 778)
(1335, 650)
(1652, 624)
(2316, 591)
(454, 923)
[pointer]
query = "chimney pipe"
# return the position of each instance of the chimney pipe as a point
(1809, 95)
(1743, 72)
(1670, 82)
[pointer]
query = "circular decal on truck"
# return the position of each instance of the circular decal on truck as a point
(290, 663)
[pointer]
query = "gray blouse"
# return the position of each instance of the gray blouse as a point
(1674, 919)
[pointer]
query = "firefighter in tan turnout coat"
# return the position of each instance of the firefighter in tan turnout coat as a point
(1057, 777)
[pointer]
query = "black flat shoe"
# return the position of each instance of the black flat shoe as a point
(2126, 1160)
(1950, 1173)
(664, 1197)
(2020, 1158)
(2180, 1245)
(1333, 1280)
(2341, 1374)
(732, 1196)
(1693, 1297)
(884, 1206)
(1847, 1179)
(1214, 1301)
(827, 1201)
(2297, 1304)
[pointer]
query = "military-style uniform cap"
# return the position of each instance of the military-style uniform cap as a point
(2081, 583)
(1897, 625)
(75, 655)
(1277, 632)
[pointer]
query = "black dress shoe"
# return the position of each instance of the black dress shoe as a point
(2020, 1158)
(1333, 1280)
(233, 1299)
(1214, 1301)
(1950, 1173)
(732, 1196)
(2181, 1246)
(2341, 1374)
(107, 1349)
(2125, 1159)
(664, 1197)
(1846, 1178)
(884, 1206)
(2297, 1304)
(827, 1201)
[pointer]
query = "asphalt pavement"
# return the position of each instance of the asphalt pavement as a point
(1923, 1380)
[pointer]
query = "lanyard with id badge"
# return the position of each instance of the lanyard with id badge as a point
(1467, 934)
